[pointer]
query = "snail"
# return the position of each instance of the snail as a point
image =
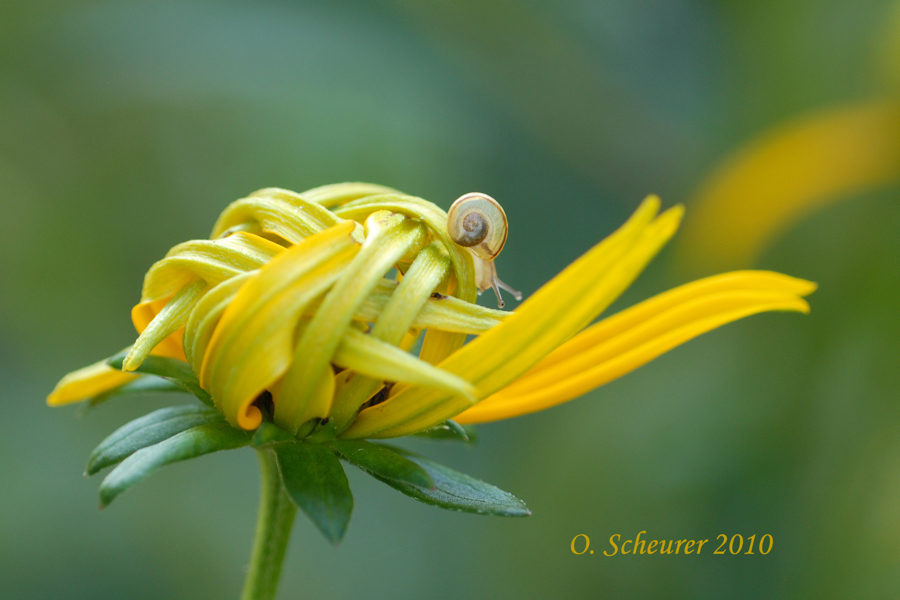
(477, 222)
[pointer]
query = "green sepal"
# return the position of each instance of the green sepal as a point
(191, 443)
(171, 369)
(457, 491)
(450, 430)
(382, 462)
(148, 430)
(141, 385)
(315, 481)
(324, 431)
(269, 433)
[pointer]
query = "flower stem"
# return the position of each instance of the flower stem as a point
(273, 531)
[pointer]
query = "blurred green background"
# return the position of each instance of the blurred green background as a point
(125, 127)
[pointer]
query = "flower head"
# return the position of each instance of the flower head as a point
(289, 313)
(294, 324)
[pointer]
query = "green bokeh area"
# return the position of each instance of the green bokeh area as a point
(125, 128)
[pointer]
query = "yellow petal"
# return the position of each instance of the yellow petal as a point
(451, 314)
(86, 383)
(369, 356)
(144, 313)
(434, 219)
(213, 261)
(445, 312)
(438, 344)
(303, 389)
(424, 275)
(341, 193)
(552, 315)
(170, 319)
(630, 339)
(205, 317)
(252, 345)
(763, 281)
(94, 380)
(787, 173)
(442, 312)
(275, 211)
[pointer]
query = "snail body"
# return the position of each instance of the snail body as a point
(477, 222)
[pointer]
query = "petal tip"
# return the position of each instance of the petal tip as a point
(802, 306)
(250, 418)
(675, 214)
(808, 287)
(652, 200)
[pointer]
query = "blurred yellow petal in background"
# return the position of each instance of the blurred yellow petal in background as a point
(785, 174)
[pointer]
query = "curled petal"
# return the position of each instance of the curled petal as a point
(169, 320)
(337, 194)
(307, 389)
(428, 270)
(252, 346)
(205, 317)
(207, 261)
(285, 214)
(438, 345)
(433, 218)
(213, 261)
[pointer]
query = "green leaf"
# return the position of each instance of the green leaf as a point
(314, 479)
(383, 462)
(141, 385)
(171, 369)
(450, 430)
(194, 442)
(456, 491)
(269, 433)
(147, 431)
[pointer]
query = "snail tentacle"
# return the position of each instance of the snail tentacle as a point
(501, 284)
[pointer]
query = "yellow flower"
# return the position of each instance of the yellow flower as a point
(288, 314)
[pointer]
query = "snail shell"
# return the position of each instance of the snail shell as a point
(478, 222)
